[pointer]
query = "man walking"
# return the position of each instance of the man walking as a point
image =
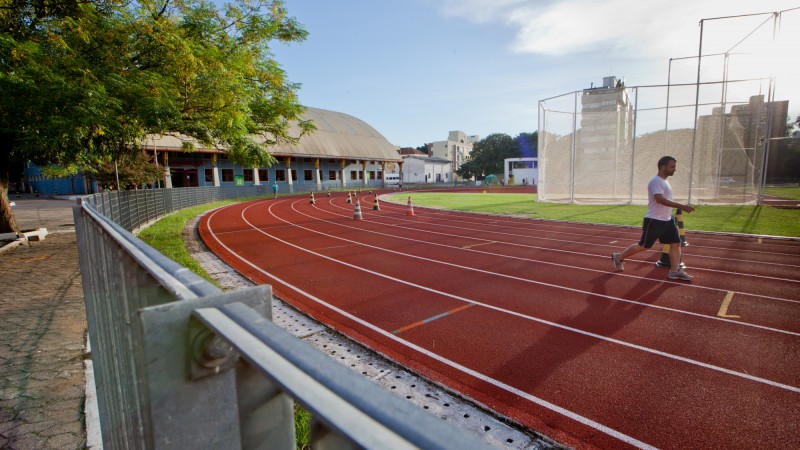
(658, 223)
(275, 189)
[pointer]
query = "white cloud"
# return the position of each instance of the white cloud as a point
(619, 27)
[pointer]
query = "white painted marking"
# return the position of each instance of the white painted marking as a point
(411, 226)
(506, 311)
(541, 283)
(532, 398)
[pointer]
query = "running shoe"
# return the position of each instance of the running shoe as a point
(619, 265)
(680, 275)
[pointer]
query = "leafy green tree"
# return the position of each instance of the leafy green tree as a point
(84, 81)
(131, 170)
(488, 154)
(528, 144)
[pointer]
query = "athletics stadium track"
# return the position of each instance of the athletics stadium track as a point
(527, 317)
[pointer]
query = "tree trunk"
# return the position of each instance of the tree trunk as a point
(7, 222)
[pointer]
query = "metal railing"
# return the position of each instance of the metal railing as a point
(180, 364)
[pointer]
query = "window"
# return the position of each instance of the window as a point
(380, 174)
(307, 175)
(227, 175)
(280, 175)
(372, 174)
(353, 174)
(263, 174)
(248, 175)
(332, 175)
(294, 175)
(209, 175)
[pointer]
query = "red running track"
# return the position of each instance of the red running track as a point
(527, 317)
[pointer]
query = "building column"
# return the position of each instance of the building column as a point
(317, 175)
(344, 178)
(400, 166)
(364, 171)
(256, 180)
(215, 170)
(383, 173)
(167, 174)
(289, 181)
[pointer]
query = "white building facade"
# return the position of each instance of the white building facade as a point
(424, 169)
(456, 149)
(521, 171)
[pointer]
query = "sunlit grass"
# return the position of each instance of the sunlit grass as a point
(730, 219)
(789, 193)
(166, 236)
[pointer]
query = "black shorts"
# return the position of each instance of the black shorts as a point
(665, 231)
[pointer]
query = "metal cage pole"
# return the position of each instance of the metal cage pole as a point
(574, 140)
(633, 150)
(696, 111)
(770, 111)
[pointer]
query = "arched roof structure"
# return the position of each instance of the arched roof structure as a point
(338, 136)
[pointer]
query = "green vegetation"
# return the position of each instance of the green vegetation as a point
(166, 236)
(789, 193)
(732, 219)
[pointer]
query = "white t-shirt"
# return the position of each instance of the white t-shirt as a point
(656, 210)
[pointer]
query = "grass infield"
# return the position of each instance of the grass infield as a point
(764, 220)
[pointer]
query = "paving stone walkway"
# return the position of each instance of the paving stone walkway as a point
(42, 334)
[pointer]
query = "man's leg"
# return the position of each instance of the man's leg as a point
(675, 257)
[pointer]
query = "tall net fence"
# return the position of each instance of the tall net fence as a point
(722, 115)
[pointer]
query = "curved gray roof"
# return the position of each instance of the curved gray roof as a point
(338, 136)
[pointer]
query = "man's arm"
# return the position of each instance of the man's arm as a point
(660, 199)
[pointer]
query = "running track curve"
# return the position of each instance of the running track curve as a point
(527, 318)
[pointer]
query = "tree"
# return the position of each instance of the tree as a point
(528, 144)
(84, 81)
(488, 154)
(132, 170)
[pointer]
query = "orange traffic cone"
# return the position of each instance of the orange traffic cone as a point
(409, 208)
(357, 211)
(376, 206)
(312, 199)
(349, 198)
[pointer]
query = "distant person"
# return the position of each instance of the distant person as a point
(275, 189)
(658, 223)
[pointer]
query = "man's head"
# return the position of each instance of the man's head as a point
(666, 166)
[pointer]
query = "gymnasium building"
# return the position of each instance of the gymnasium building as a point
(344, 152)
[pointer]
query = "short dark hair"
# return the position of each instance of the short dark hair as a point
(665, 160)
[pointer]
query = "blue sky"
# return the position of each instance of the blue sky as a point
(416, 69)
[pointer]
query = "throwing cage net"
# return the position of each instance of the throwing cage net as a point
(722, 115)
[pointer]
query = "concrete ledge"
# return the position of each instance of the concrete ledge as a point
(9, 236)
(34, 235)
(10, 245)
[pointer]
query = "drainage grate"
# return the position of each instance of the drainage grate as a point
(428, 396)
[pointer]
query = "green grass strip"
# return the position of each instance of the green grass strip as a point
(166, 236)
(764, 220)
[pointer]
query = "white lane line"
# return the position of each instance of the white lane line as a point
(436, 213)
(435, 356)
(525, 316)
(425, 230)
(601, 244)
(428, 232)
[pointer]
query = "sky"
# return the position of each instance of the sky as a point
(417, 69)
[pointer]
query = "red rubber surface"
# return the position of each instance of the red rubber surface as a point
(527, 317)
